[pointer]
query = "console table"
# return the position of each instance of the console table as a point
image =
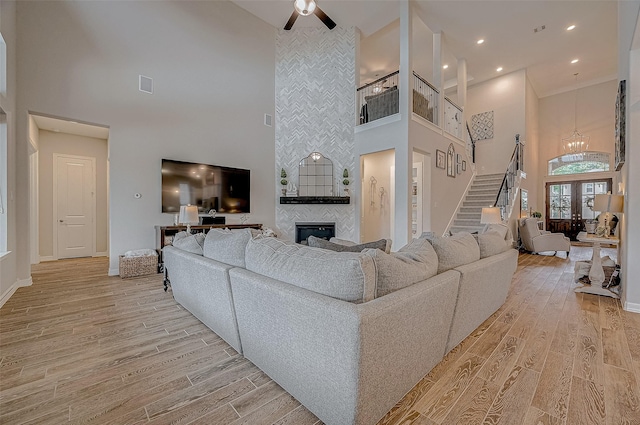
(596, 273)
(165, 234)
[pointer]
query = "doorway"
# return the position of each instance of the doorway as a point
(569, 203)
(82, 232)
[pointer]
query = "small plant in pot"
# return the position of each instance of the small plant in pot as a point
(345, 181)
(536, 214)
(283, 181)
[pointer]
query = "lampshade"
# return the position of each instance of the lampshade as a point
(491, 215)
(304, 7)
(608, 203)
(188, 214)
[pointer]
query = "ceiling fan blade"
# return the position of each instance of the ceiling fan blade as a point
(291, 20)
(324, 18)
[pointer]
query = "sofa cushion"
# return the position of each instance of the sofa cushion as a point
(456, 250)
(315, 242)
(414, 263)
(491, 243)
(227, 246)
(387, 247)
(190, 243)
(347, 276)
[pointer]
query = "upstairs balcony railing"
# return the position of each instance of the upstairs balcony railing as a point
(453, 118)
(379, 98)
(426, 99)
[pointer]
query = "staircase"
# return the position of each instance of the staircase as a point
(482, 193)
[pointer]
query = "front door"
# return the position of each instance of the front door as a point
(569, 204)
(74, 205)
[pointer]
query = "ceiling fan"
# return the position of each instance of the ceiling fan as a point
(306, 8)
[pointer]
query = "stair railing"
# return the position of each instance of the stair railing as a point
(510, 182)
(471, 145)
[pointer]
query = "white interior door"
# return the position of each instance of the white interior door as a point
(74, 206)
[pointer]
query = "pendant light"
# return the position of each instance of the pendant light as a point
(576, 143)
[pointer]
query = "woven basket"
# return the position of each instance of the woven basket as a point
(138, 266)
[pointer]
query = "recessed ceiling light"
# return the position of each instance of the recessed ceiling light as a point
(480, 41)
(570, 27)
(445, 66)
(575, 61)
(499, 69)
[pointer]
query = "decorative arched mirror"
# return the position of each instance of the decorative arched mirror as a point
(315, 176)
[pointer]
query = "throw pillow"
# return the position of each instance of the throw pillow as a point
(227, 246)
(456, 250)
(414, 263)
(347, 276)
(190, 243)
(387, 247)
(491, 243)
(315, 242)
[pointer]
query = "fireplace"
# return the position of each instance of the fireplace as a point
(319, 230)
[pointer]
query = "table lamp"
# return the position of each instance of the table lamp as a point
(491, 215)
(607, 203)
(188, 216)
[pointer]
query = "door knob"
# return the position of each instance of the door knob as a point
(61, 221)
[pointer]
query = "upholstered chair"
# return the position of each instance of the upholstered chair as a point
(536, 240)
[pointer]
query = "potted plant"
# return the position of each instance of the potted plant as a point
(536, 214)
(283, 181)
(345, 181)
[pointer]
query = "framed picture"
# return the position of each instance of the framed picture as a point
(620, 124)
(458, 159)
(459, 167)
(464, 165)
(451, 157)
(441, 159)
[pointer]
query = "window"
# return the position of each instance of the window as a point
(587, 162)
(3, 181)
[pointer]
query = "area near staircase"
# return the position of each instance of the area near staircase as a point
(482, 193)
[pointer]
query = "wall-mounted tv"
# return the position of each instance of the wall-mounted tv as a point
(225, 189)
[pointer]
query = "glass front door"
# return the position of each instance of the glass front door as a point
(570, 203)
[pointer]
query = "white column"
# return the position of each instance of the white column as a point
(438, 75)
(462, 90)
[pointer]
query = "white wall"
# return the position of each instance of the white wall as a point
(532, 148)
(376, 210)
(505, 96)
(212, 86)
(315, 112)
(70, 144)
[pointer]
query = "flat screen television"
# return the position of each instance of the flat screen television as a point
(225, 189)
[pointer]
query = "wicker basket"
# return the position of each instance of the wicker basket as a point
(138, 266)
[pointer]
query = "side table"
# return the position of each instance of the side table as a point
(596, 273)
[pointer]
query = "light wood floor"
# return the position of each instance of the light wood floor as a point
(81, 347)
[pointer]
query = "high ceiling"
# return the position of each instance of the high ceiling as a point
(506, 26)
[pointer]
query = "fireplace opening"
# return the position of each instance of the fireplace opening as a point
(319, 230)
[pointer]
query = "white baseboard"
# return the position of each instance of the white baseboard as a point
(47, 258)
(25, 282)
(8, 294)
(17, 284)
(631, 307)
(102, 254)
(114, 272)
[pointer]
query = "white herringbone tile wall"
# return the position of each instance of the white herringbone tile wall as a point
(315, 111)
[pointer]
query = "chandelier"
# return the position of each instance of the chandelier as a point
(576, 143)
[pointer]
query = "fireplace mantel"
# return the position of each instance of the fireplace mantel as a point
(314, 200)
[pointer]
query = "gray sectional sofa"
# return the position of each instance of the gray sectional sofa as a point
(347, 334)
